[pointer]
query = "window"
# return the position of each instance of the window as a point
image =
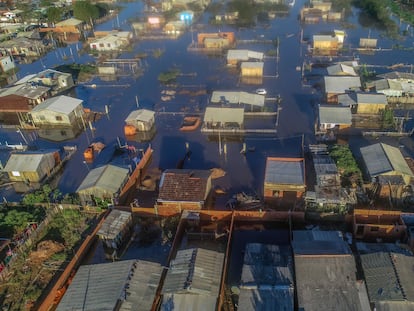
(63, 133)
(59, 118)
(16, 173)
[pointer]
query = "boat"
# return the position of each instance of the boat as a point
(190, 124)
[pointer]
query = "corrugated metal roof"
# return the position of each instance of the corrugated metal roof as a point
(339, 85)
(327, 282)
(348, 99)
(28, 162)
(62, 104)
(114, 223)
(394, 306)
(25, 90)
(224, 115)
(319, 242)
(108, 177)
(194, 271)
(267, 278)
(397, 75)
(335, 114)
(244, 55)
(230, 97)
(144, 115)
(188, 302)
(102, 286)
(341, 69)
(380, 277)
(381, 158)
(285, 171)
(371, 98)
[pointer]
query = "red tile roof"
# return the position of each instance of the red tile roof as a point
(14, 103)
(183, 185)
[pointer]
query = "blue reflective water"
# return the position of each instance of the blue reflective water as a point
(244, 172)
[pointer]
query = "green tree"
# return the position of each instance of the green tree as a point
(54, 14)
(85, 11)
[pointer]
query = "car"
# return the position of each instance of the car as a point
(261, 91)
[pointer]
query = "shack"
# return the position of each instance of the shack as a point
(336, 85)
(334, 117)
(31, 166)
(223, 118)
(102, 183)
(370, 103)
(251, 69)
(142, 120)
(234, 57)
(115, 231)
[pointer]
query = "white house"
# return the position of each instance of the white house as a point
(58, 111)
(7, 63)
(112, 41)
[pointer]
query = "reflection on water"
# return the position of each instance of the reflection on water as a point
(208, 73)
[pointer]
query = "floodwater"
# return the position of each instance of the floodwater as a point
(204, 72)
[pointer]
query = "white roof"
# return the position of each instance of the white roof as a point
(25, 162)
(339, 85)
(63, 104)
(335, 114)
(244, 55)
(238, 98)
(324, 38)
(144, 115)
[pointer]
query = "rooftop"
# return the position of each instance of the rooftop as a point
(144, 115)
(229, 97)
(319, 242)
(129, 284)
(339, 85)
(224, 115)
(244, 55)
(335, 114)
(184, 185)
(288, 171)
(62, 104)
(114, 223)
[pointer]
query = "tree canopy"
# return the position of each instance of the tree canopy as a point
(54, 14)
(85, 11)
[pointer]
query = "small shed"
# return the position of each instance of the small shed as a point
(31, 166)
(371, 103)
(237, 98)
(58, 111)
(115, 230)
(252, 69)
(341, 70)
(143, 119)
(367, 43)
(222, 118)
(334, 117)
(325, 42)
(284, 178)
(387, 87)
(382, 159)
(183, 189)
(103, 182)
(236, 56)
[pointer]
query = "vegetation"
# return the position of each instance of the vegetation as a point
(347, 166)
(14, 219)
(169, 76)
(388, 119)
(79, 72)
(378, 11)
(246, 9)
(33, 270)
(85, 11)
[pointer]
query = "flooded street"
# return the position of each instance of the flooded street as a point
(208, 73)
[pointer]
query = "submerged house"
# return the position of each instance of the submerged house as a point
(112, 41)
(334, 117)
(103, 183)
(115, 230)
(55, 80)
(218, 119)
(182, 189)
(141, 120)
(370, 103)
(336, 85)
(387, 169)
(58, 111)
(234, 57)
(31, 166)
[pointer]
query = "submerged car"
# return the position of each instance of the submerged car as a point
(261, 91)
